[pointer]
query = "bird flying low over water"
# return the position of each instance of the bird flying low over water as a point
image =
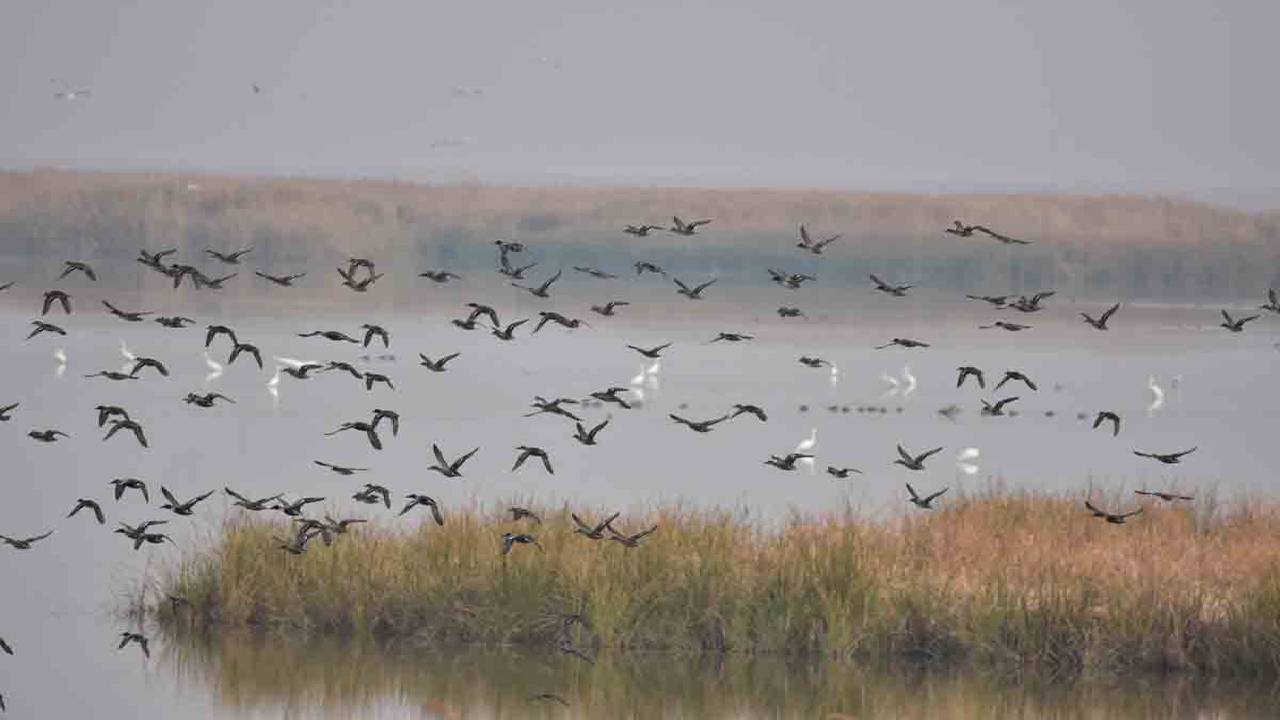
(967, 371)
(997, 408)
(71, 266)
(814, 246)
(962, 230)
(699, 426)
(608, 309)
(894, 290)
(680, 227)
(903, 342)
(640, 230)
(436, 365)
(1016, 376)
(1101, 322)
(1235, 325)
(587, 437)
(695, 292)
(651, 353)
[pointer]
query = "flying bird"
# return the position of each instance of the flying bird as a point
(894, 290)
(86, 504)
(1166, 458)
(1235, 325)
(815, 247)
(680, 227)
(926, 502)
(445, 467)
(1108, 416)
(914, 462)
(694, 293)
(1113, 518)
(1101, 322)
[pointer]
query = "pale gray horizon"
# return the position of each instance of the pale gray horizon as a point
(983, 96)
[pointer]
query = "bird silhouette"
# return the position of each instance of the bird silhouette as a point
(372, 331)
(1113, 518)
(519, 513)
(592, 532)
(136, 638)
(1167, 497)
(996, 300)
(372, 377)
(595, 273)
(23, 543)
(1272, 304)
(652, 353)
(367, 428)
(510, 540)
(893, 290)
(120, 485)
(131, 426)
(252, 505)
(903, 342)
(1108, 416)
(46, 436)
(643, 267)
(145, 362)
(791, 312)
(742, 409)
(699, 426)
(544, 406)
(71, 266)
(439, 276)
(214, 331)
(205, 400)
(281, 280)
(842, 472)
(340, 469)
(997, 409)
(1166, 458)
(86, 504)
(695, 292)
(926, 502)
(372, 493)
(609, 308)
(680, 227)
(541, 290)
(445, 467)
(640, 230)
(508, 333)
(611, 396)
(810, 245)
(331, 335)
(125, 315)
(230, 258)
(44, 327)
(5, 412)
(632, 540)
(1004, 325)
(58, 296)
(181, 508)
(174, 322)
(1233, 324)
(527, 452)
(416, 500)
(588, 437)
(294, 508)
(969, 370)
(1101, 322)
(914, 462)
(240, 347)
(787, 462)
(1016, 376)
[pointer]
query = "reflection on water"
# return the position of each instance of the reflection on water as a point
(277, 676)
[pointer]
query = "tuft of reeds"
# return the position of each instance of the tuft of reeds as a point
(1004, 578)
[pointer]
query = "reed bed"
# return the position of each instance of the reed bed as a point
(1004, 578)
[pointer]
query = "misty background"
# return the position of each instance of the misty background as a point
(985, 96)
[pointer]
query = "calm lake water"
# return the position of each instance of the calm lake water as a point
(59, 604)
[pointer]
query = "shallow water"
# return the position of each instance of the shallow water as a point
(60, 600)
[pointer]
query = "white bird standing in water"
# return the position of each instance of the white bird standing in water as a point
(965, 461)
(1157, 395)
(61, 356)
(215, 370)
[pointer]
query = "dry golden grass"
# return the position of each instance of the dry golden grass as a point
(1003, 577)
(369, 216)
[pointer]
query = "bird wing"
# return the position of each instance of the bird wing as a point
(1093, 509)
(1110, 311)
(912, 490)
(457, 464)
(169, 496)
(435, 449)
(1184, 452)
(578, 521)
(879, 283)
(1003, 402)
(705, 285)
(924, 456)
(905, 455)
(680, 284)
(97, 512)
(592, 435)
(679, 419)
(804, 235)
(696, 223)
(936, 495)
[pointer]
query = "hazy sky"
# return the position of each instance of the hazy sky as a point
(1146, 95)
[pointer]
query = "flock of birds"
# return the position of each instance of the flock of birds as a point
(360, 275)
